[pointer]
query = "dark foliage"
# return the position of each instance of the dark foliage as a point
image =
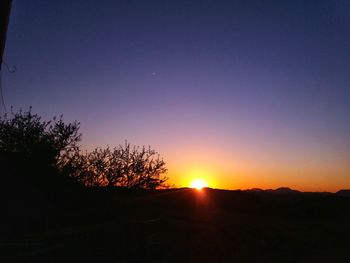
(33, 157)
(125, 166)
(32, 150)
(43, 170)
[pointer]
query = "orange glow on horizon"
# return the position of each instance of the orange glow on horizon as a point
(248, 179)
(197, 177)
(251, 169)
(199, 184)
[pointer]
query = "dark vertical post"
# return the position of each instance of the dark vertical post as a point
(5, 8)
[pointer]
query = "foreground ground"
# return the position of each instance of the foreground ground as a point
(183, 225)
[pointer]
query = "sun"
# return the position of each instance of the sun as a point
(199, 184)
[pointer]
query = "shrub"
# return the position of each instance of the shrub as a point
(45, 153)
(125, 166)
(32, 149)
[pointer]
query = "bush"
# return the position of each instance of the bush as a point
(31, 150)
(43, 154)
(125, 166)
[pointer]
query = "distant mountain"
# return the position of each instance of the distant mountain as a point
(285, 190)
(344, 192)
(259, 190)
(280, 191)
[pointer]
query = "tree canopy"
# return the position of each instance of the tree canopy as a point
(33, 149)
(126, 166)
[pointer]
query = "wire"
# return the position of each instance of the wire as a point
(2, 93)
(10, 70)
(13, 70)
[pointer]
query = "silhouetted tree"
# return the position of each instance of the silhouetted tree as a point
(32, 150)
(34, 155)
(126, 166)
(38, 153)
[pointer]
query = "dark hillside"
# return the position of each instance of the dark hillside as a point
(185, 225)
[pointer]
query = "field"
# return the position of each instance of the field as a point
(183, 225)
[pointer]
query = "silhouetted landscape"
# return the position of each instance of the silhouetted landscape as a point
(181, 225)
(246, 104)
(113, 205)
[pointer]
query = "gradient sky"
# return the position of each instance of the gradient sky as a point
(241, 93)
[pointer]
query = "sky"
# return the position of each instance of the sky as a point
(242, 94)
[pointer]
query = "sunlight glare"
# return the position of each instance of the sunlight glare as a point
(199, 184)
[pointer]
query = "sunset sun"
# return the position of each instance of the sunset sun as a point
(199, 184)
(180, 131)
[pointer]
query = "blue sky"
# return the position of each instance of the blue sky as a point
(269, 79)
